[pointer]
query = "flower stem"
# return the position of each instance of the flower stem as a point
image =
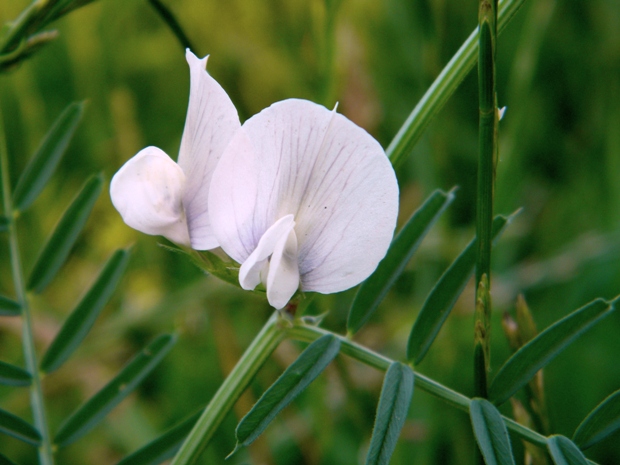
(233, 386)
(36, 393)
(443, 87)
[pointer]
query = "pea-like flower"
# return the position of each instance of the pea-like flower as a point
(303, 197)
(157, 196)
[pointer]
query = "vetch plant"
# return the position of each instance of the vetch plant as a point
(303, 201)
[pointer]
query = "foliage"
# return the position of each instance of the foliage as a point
(559, 159)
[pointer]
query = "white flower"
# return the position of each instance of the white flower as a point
(303, 197)
(157, 196)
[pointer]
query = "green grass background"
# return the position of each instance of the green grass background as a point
(558, 74)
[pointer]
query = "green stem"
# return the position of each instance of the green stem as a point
(36, 394)
(233, 386)
(443, 87)
(166, 15)
(373, 359)
(486, 175)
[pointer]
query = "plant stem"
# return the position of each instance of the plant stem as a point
(443, 87)
(233, 386)
(166, 15)
(36, 394)
(373, 359)
(488, 118)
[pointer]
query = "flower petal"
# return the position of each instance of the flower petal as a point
(147, 192)
(211, 121)
(283, 276)
(299, 158)
(250, 271)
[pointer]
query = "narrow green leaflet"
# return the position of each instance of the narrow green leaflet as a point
(9, 307)
(10, 375)
(4, 223)
(442, 297)
(392, 411)
(14, 426)
(164, 447)
(310, 363)
(45, 160)
(98, 406)
(59, 245)
(537, 353)
(83, 317)
(491, 433)
(374, 289)
(564, 451)
(600, 422)
(5, 461)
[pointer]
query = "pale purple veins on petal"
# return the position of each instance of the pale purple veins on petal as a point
(298, 158)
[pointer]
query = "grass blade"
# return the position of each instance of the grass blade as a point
(394, 402)
(10, 375)
(491, 433)
(59, 245)
(442, 297)
(600, 422)
(310, 364)
(537, 353)
(98, 406)
(9, 307)
(564, 452)
(164, 447)
(374, 289)
(4, 223)
(14, 426)
(46, 159)
(83, 317)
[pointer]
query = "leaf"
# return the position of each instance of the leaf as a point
(9, 307)
(537, 353)
(442, 297)
(310, 363)
(64, 236)
(14, 426)
(98, 406)
(164, 447)
(46, 159)
(81, 320)
(11, 375)
(374, 289)
(4, 223)
(391, 413)
(564, 452)
(600, 422)
(491, 433)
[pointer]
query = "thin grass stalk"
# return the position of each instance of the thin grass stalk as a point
(488, 119)
(443, 87)
(36, 394)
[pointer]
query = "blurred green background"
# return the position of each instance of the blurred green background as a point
(558, 74)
